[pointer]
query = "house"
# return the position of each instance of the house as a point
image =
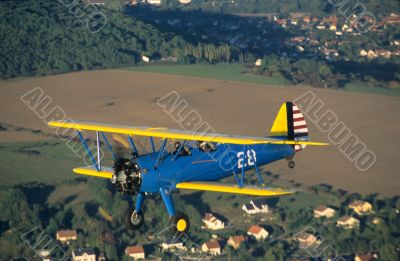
(330, 53)
(145, 59)
(298, 39)
(348, 222)
(211, 222)
(84, 254)
(306, 19)
(384, 53)
(306, 239)
(101, 257)
(260, 204)
(255, 207)
(153, 2)
(363, 53)
(376, 221)
(347, 29)
(371, 54)
(281, 22)
(136, 252)
(249, 209)
(213, 247)
(361, 207)
(236, 241)
(366, 257)
(96, 2)
(324, 211)
(313, 42)
(392, 19)
(44, 255)
(258, 62)
(258, 232)
(65, 236)
(330, 20)
(172, 245)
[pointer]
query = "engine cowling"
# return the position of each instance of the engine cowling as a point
(127, 176)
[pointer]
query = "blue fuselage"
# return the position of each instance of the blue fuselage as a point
(206, 166)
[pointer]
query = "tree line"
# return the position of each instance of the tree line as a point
(45, 37)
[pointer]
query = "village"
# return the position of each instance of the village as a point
(292, 35)
(217, 246)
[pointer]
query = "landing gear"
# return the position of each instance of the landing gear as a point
(291, 164)
(134, 220)
(180, 223)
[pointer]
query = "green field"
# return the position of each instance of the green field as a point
(226, 72)
(364, 88)
(238, 73)
(44, 162)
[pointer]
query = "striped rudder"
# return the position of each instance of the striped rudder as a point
(290, 124)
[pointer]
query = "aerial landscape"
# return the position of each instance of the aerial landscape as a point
(272, 130)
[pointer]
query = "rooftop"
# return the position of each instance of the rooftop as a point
(67, 233)
(134, 250)
(212, 244)
(254, 229)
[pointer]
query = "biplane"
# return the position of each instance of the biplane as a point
(192, 160)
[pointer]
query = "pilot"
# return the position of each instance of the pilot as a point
(183, 151)
(206, 146)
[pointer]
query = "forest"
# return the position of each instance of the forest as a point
(52, 38)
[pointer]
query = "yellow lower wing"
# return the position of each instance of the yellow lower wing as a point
(233, 188)
(106, 173)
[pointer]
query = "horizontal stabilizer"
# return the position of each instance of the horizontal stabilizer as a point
(106, 173)
(233, 188)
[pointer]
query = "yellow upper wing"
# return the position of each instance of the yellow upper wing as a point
(175, 134)
(233, 188)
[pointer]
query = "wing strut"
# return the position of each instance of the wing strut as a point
(152, 144)
(160, 153)
(233, 167)
(260, 179)
(132, 143)
(88, 151)
(243, 163)
(98, 150)
(108, 145)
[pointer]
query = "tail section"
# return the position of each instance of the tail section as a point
(290, 124)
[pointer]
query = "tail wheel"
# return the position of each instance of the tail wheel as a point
(181, 222)
(134, 220)
(291, 164)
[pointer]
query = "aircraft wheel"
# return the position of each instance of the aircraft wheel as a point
(181, 222)
(291, 164)
(134, 220)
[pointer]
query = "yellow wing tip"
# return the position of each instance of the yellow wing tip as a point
(90, 171)
(318, 143)
(58, 123)
(53, 123)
